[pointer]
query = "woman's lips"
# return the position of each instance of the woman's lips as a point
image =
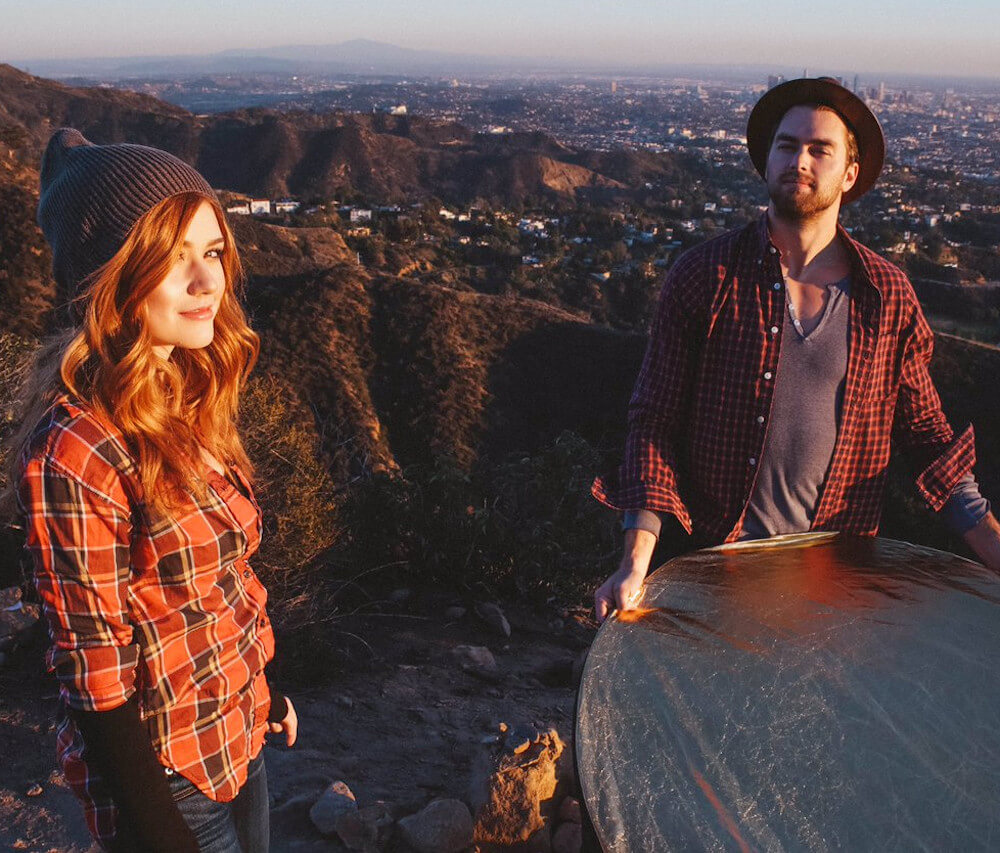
(205, 313)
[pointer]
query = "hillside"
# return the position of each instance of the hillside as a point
(263, 152)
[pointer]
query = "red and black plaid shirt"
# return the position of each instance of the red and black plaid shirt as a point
(166, 606)
(700, 409)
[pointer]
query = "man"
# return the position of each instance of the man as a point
(784, 360)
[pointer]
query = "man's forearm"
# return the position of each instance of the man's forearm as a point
(638, 551)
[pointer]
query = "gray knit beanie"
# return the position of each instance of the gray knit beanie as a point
(92, 195)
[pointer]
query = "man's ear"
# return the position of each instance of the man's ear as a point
(851, 176)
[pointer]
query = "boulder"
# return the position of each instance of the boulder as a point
(18, 618)
(335, 801)
(474, 657)
(367, 829)
(9, 597)
(570, 811)
(444, 826)
(512, 782)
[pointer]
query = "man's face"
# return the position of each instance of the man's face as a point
(807, 168)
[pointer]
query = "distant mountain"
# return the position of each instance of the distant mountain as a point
(354, 56)
(362, 53)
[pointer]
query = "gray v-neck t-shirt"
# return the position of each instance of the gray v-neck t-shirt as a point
(801, 430)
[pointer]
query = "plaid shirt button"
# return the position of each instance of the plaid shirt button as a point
(760, 419)
(768, 375)
(777, 285)
(752, 461)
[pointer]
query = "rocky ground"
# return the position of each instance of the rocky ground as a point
(436, 712)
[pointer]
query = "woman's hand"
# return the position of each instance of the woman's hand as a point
(289, 725)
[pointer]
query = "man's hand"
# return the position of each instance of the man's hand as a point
(984, 539)
(289, 725)
(623, 590)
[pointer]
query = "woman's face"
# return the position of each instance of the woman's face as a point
(181, 311)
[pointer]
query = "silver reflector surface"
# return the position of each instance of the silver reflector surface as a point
(815, 692)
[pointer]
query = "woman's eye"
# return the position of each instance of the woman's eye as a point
(214, 253)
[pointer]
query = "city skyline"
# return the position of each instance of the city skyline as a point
(850, 36)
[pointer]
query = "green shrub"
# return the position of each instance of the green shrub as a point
(525, 525)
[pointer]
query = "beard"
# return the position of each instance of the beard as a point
(797, 203)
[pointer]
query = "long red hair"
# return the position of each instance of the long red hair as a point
(169, 410)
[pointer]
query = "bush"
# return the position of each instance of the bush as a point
(526, 525)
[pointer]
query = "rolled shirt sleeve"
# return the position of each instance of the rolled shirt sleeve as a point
(940, 457)
(648, 477)
(80, 540)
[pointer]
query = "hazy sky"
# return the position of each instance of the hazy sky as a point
(918, 36)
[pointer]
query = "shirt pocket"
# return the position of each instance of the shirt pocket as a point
(190, 548)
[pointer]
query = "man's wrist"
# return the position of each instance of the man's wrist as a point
(984, 539)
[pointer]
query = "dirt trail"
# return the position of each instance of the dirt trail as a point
(403, 724)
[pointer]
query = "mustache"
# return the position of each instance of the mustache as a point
(784, 177)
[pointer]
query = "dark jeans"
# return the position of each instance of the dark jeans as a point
(241, 826)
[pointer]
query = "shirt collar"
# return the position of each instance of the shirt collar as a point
(861, 272)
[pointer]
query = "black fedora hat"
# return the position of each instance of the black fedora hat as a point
(825, 91)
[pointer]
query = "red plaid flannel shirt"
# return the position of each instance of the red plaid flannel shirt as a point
(701, 405)
(167, 606)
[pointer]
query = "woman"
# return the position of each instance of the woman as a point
(138, 509)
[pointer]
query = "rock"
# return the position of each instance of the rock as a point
(444, 826)
(519, 738)
(510, 785)
(9, 597)
(493, 616)
(367, 829)
(568, 838)
(570, 811)
(333, 802)
(35, 790)
(344, 701)
(540, 842)
(19, 619)
(474, 657)
(453, 614)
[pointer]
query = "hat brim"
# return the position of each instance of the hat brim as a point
(771, 108)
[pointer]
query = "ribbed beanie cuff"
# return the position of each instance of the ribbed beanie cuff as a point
(92, 196)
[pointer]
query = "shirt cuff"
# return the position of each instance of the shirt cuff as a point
(642, 519)
(279, 705)
(965, 506)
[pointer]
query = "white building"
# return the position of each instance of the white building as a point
(240, 209)
(260, 206)
(286, 205)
